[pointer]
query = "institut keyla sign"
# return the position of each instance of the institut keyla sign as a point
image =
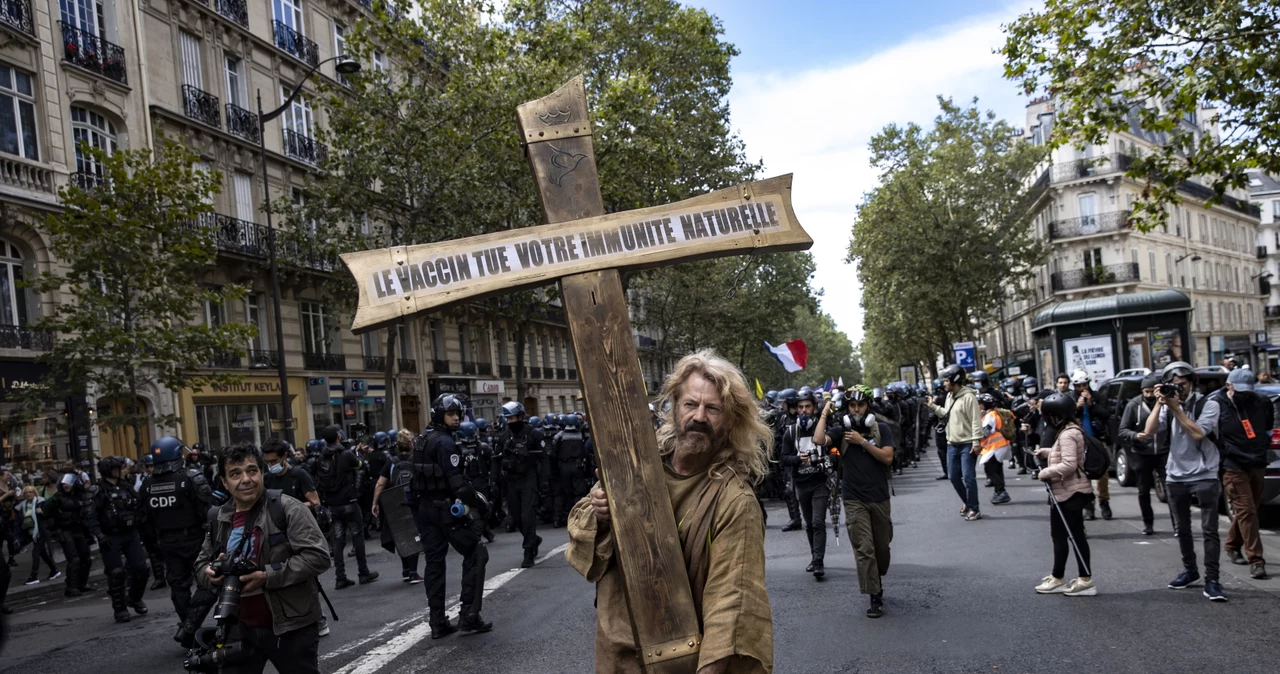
(584, 249)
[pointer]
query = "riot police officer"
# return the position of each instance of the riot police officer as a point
(396, 475)
(336, 481)
(546, 478)
(66, 512)
(450, 512)
(520, 447)
(569, 447)
(176, 500)
(477, 461)
(113, 521)
(150, 541)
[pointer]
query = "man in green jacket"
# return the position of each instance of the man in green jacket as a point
(279, 607)
(964, 428)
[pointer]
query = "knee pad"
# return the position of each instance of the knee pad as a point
(117, 575)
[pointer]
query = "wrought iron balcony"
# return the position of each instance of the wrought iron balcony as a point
(261, 360)
(200, 105)
(375, 363)
(1093, 166)
(225, 359)
(504, 371)
(1205, 193)
(242, 123)
(17, 14)
(21, 337)
(408, 365)
(1099, 275)
(304, 148)
(440, 366)
(234, 10)
(233, 235)
(1114, 221)
(93, 53)
(324, 361)
(295, 44)
(484, 369)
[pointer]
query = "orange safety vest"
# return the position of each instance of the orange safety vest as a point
(996, 440)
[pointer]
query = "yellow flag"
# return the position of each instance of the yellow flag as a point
(759, 391)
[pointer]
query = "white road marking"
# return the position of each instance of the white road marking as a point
(376, 659)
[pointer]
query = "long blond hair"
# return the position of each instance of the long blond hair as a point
(750, 442)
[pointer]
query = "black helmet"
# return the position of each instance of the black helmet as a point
(805, 393)
(1058, 408)
(1013, 386)
(1030, 384)
(445, 402)
(771, 396)
(981, 378)
(109, 463)
(788, 396)
(986, 400)
(954, 374)
(1177, 369)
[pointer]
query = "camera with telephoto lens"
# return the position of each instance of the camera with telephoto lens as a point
(212, 651)
(1167, 390)
(231, 568)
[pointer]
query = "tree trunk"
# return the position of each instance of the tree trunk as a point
(391, 406)
(135, 419)
(520, 348)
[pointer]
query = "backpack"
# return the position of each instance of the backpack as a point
(1008, 425)
(1096, 460)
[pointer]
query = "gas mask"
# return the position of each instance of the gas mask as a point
(806, 422)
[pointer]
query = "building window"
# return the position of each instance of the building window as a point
(13, 299)
(1275, 210)
(87, 15)
(299, 117)
(379, 62)
(288, 12)
(1151, 262)
(339, 39)
(94, 130)
(215, 314)
(437, 340)
(546, 352)
(315, 328)
(559, 354)
(371, 343)
(1168, 267)
(1093, 258)
(235, 82)
(189, 46)
(501, 338)
(533, 353)
(17, 114)
(254, 316)
(242, 189)
(464, 342)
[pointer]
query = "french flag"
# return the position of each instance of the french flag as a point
(792, 355)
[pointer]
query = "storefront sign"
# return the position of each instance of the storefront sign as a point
(1238, 343)
(318, 390)
(1091, 354)
(246, 386)
(16, 375)
(484, 386)
(441, 386)
(354, 388)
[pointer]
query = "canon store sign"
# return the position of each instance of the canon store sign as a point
(488, 387)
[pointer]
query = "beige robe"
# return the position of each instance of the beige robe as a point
(736, 620)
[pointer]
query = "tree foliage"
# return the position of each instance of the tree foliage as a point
(942, 239)
(1112, 63)
(132, 250)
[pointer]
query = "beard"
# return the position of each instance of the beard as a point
(698, 439)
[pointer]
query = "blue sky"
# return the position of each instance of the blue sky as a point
(815, 80)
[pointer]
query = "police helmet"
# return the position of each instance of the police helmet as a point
(110, 463)
(535, 421)
(316, 446)
(166, 449)
(1013, 386)
(771, 396)
(393, 436)
(981, 378)
(572, 422)
(1030, 385)
(380, 440)
(788, 396)
(937, 385)
(148, 460)
(443, 404)
(953, 373)
(1058, 408)
(481, 424)
(512, 409)
(804, 394)
(1178, 368)
(466, 429)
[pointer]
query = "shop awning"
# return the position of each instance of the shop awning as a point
(1113, 306)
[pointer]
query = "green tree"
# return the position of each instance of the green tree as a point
(132, 247)
(1114, 64)
(944, 237)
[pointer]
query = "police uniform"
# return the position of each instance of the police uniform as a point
(176, 501)
(438, 481)
(399, 473)
(114, 523)
(67, 512)
(521, 452)
(570, 451)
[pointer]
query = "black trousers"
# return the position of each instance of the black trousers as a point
(1073, 513)
(1206, 493)
(75, 548)
(439, 530)
(6, 575)
(347, 520)
(295, 652)
(814, 496)
(522, 502)
(125, 563)
(940, 441)
(789, 492)
(1150, 469)
(179, 558)
(151, 543)
(573, 486)
(40, 551)
(994, 469)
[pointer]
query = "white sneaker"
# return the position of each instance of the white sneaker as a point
(33, 581)
(1081, 588)
(1050, 585)
(324, 627)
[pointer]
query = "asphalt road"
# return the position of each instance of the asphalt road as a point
(958, 598)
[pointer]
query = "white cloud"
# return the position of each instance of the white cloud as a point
(816, 124)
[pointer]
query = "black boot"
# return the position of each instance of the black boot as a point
(818, 571)
(793, 525)
(442, 628)
(877, 605)
(158, 584)
(528, 559)
(1105, 507)
(472, 623)
(118, 593)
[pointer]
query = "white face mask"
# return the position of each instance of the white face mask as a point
(276, 468)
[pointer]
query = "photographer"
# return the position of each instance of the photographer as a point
(1245, 428)
(1071, 493)
(1093, 414)
(278, 607)
(1187, 425)
(1148, 457)
(804, 459)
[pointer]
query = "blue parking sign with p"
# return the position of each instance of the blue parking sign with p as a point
(966, 356)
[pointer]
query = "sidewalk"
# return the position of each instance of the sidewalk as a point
(23, 594)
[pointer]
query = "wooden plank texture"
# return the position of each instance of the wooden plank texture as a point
(647, 545)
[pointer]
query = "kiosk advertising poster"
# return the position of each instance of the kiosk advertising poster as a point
(1166, 347)
(1091, 354)
(1047, 373)
(1138, 349)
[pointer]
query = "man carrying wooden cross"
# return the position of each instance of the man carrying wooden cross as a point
(714, 447)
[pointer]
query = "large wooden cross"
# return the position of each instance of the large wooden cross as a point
(585, 249)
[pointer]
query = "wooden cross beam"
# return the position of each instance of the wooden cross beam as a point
(584, 249)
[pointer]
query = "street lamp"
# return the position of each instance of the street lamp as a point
(345, 66)
(1193, 256)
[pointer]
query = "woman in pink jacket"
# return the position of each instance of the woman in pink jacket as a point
(1073, 493)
